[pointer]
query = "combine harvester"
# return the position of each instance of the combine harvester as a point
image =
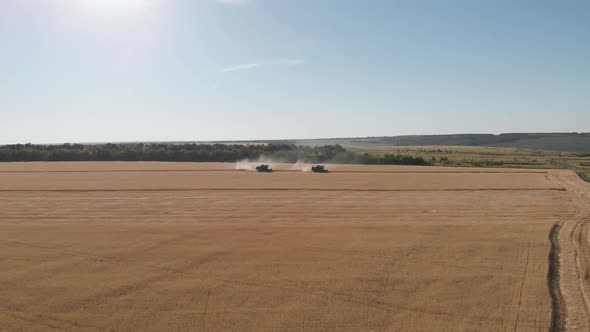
(316, 169)
(264, 168)
(319, 169)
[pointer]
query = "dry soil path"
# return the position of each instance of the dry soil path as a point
(574, 258)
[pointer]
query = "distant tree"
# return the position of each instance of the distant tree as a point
(196, 153)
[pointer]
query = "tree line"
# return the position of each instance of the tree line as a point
(198, 153)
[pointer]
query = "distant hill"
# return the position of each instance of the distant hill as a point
(560, 142)
(564, 142)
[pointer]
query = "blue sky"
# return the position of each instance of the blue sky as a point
(129, 70)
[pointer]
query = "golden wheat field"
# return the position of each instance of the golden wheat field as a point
(208, 247)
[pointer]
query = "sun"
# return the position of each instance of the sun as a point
(112, 7)
(115, 5)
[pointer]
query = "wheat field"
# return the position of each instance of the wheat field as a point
(208, 247)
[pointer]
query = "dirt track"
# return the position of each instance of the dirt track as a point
(157, 246)
(574, 252)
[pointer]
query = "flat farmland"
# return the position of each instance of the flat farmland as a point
(208, 247)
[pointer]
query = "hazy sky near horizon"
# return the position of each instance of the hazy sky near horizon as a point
(146, 70)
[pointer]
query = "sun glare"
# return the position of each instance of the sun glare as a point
(115, 7)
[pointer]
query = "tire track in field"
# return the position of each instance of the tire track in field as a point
(557, 302)
(368, 301)
(144, 283)
(138, 190)
(569, 289)
(49, 322)
(115, 257)
(526, 268)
